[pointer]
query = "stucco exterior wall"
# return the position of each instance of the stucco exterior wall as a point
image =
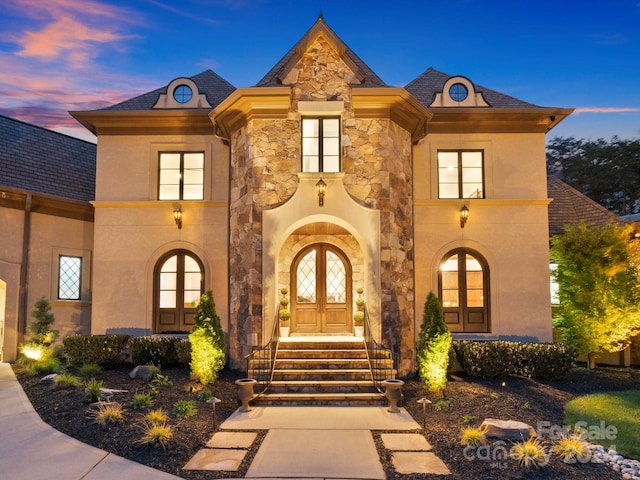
(133, 229)
(49, 236)
(509, 228)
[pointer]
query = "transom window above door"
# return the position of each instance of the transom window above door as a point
(460, 174)
(181, 176)
(321, 144)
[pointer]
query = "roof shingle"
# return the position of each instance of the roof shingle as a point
(40, 160)
(208, 82)
(426, 85)
(569, 206)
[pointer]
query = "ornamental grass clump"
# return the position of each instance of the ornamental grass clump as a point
(472, 436)
(108, 412)
(530, 453)
(571, 449)
(66, 380)
(208, 348)
(93, 389)
(157, 434)
(433, 347)
(156, 416)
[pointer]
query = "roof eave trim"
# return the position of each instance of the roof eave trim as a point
(145, 122)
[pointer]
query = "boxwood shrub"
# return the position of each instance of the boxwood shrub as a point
(158, 351)
(108, 351)
(542, 361)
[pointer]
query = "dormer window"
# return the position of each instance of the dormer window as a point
(182, 93)
(458, 92)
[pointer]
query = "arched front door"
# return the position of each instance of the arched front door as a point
(321, 291)
(178, 286)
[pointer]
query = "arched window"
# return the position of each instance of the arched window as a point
(178, 285)
(463, 285)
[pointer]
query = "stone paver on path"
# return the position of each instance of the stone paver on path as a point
(216, 459)
(405, 441)
(232, 440)
(408, 463)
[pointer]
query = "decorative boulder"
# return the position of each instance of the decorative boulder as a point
(51, 378)
(507, 429)
(141, 371)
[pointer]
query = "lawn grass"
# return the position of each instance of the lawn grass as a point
(609, 409)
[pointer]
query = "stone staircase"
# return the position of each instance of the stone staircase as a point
(325, 372)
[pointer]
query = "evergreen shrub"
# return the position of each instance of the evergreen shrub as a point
(108, 351)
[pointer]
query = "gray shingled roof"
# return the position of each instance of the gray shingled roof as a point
(425, 87)
(569, 206)
(208, 82)
(271, 78)
(40, 160)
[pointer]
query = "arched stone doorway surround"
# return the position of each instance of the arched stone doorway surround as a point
(283, 237)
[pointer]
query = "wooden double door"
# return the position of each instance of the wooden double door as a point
(321, 291)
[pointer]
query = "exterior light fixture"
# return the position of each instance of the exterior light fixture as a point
(177, 216)
(321, 187)
(464, 215)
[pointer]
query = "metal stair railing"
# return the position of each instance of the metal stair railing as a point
(261, 362)
(377, 354)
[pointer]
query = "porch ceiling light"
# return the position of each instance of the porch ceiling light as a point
(321, 188)
(464, 215)
(177, 216)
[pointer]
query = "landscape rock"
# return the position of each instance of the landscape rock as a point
(140, 371)
(507, 429)
(51, 378)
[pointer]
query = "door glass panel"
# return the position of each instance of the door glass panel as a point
(306, 278)
(450, 282)
(336, 279)
(475, 283)
(168, 282)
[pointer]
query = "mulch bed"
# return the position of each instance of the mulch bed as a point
(469, 400)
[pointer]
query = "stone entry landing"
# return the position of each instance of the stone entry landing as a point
(321, 442)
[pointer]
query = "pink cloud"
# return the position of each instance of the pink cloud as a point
(605, 110)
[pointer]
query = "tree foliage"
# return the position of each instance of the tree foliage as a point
(40, 330)
(434, 343)
(597, 274)
(608, 172)
(208, 346)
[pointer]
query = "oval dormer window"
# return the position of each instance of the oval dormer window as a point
(182, 93)
(458, 92)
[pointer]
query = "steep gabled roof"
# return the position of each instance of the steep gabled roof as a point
(42, 161)
(569, 206)
(208, 82)
(425, 87)
(274, 77)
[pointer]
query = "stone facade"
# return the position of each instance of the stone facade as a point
(376, 161)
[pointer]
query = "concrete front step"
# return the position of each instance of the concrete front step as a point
(337, 399)
(321, 363)
(299, 353)
(322, 374)
(332, 386)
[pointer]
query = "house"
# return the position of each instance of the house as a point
(570, 207)
(322, 179)
(46, 237)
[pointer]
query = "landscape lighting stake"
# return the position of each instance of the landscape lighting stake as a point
(424, 402)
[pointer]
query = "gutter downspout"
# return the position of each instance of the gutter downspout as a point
(24, 270)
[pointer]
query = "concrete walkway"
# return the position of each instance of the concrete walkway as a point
(32, 450)
(302, 442)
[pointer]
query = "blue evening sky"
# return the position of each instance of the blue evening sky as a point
(61, 55)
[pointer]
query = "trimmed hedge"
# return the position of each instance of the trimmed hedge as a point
(158, 351)
(108, 351)
(112, 351)
(542, 361)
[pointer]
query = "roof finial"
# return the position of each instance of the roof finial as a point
(320, 16)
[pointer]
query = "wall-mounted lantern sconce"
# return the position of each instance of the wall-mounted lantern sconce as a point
(464, 215)
(177, 216)
(321, 187)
